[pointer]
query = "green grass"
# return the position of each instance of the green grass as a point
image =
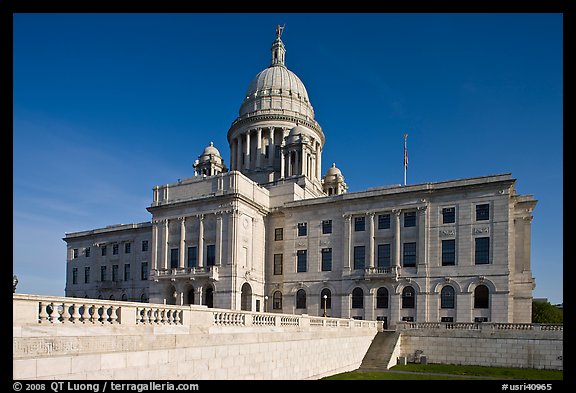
(432, 371)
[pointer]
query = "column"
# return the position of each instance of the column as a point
(396, 213)
(181, 262)
(154, 245)
(371, 240)
(347, 241)
(165, 251)
(201, 242)
(239, 153)
(258, 147)
(318, 162)
(248, 158)
(289, 171)
(304, 167)
(233, 155)
(218, 239)
(297, 164)
(271, 148)
(282, 165)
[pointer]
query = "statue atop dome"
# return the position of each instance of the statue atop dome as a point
(280, 30)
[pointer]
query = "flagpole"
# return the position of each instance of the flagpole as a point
(405, 158)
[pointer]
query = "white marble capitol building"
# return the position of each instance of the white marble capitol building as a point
(271, 232)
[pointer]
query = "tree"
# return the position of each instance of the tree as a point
(544, 312)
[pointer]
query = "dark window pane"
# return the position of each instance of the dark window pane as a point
(278, 234)
(382, 298)
(302, 229)
(278, 262)
(383, 255)
(448, 252)
(174, 258)
(326, 259)
(409, 254)
(482, 212)
(301, 260)
(192, 257)
(384, 221)
(328, 301)
(277, 300)
(447, 297)
(210, 255)
(481, 295)
(301, 299)
(408, 297)
(327, 226)
(357, 298)
(359, 224)
(448, 215)
(410, 219)
(482, 250)
(359, 257)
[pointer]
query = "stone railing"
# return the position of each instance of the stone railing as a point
(478, 326)
(204, 271)
(52, 310)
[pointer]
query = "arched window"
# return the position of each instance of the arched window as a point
(209, 297)
(124, 297)
(144, 298)
(382, 298)
(112, 297)
(301, 299)
(277, 300)
(328, 300)
(246, 297)
(447, 297)
(408, 297)
(481, 295)
(357, 298)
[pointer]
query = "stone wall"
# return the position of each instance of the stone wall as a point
(497, 345)
(66, 338)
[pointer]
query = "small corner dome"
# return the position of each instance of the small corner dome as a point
(333, 171)
(209, 151)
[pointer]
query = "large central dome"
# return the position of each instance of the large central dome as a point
(277, 90)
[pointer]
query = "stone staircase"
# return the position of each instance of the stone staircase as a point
(380, 351)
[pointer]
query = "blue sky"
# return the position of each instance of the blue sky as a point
(105, 106)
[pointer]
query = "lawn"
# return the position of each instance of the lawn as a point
(456, 372)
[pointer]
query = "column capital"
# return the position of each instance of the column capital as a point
(370, 214)
(397, 212)
(422, 209)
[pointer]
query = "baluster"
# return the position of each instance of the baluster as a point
(177, 317)
(54, 315)
(75, 314)
(162, 316)
(113, 316)
(66, 313)
(42, 315)
(100, 314)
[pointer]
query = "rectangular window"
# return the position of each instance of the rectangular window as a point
(359, 224)
(448, 252)
(114, 272)
(448, 215)
(266, 149)
(384, 221)
(75, 253)
(104, 249)
(409, 219)
(127, 248)
(126, 272)
(75, 275)
(302, 229)
(103, 275)
(446, 319)
(359, 257)
(326, 227)
(483, 212)
(278, 264)
(326, 259)
(482, 250)
(174, 256)
(115, 249)
(192, 257)
(144, 245)
(86, 274)
(87, 252)
(279, 234)
(210, 255)
(302, 263)
(144, 271)
(383, 255)
(409, 254)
